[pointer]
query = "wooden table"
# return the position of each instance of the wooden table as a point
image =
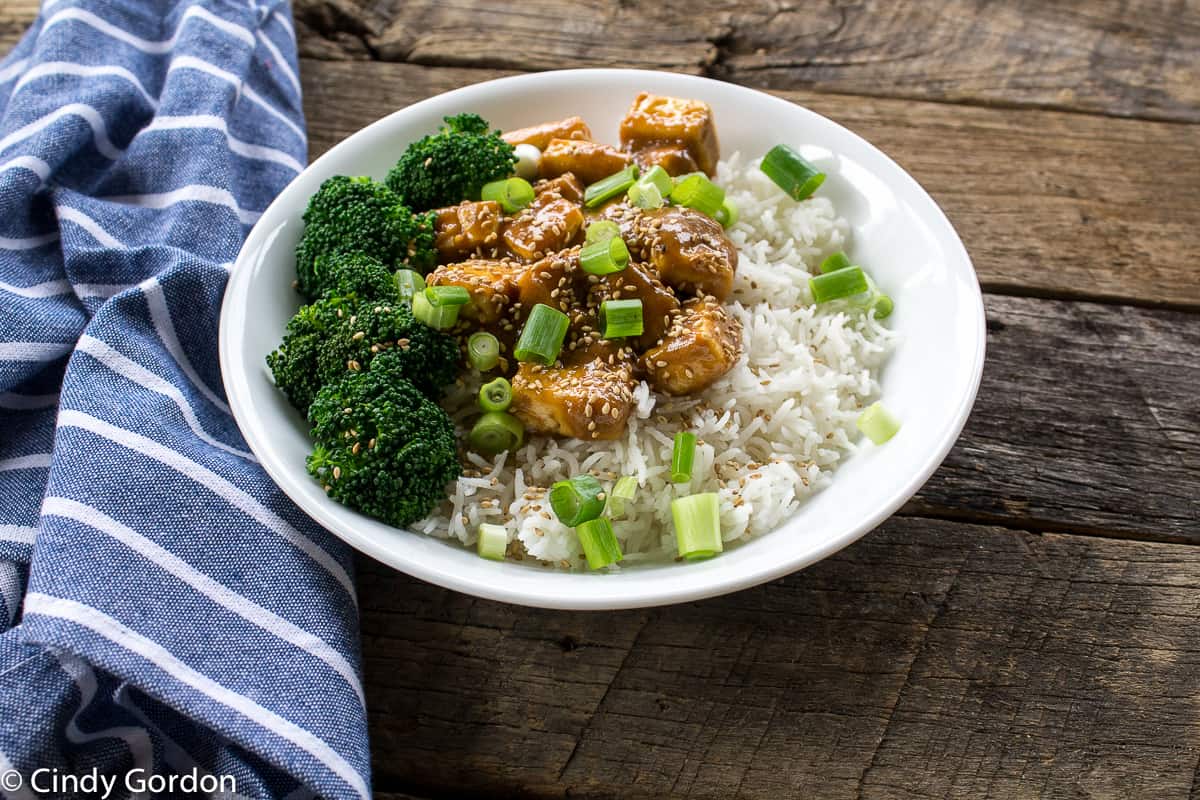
(1027, 625)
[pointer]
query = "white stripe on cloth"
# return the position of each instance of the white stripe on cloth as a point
(18, 534)
(220, 594)
(55, 68)
(143, 377)
(90, 225)
(10, 591)
(38, 290)
(160, 316)
(13, 70)
(196, 192)
(101, 290)
(211, 481)
(85, 112)
(32, 163)
(35, 461)
(200, 65)
(34, 351)
(141, 748)
(21, 792)
(26, 402)
(280, 61)
(236, 145)
(27, 243)
(38, 604)
(283, 21)
(147, 45)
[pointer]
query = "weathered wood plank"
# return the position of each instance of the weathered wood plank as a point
(1046, 202)
(15, 16)
(931, 659)
(1114, 57)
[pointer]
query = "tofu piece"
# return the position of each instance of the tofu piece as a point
(702, 344)
(676, 160)
(550, 281)
(493, 286)
(592, 400)
(654, 120)
(636, 282)
(566, 186)
(465, 228)
(588, 161)
(540, 135)
(689, 250)
(550, 223)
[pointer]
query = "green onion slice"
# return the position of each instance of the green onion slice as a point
(698, 192)
(577, 500)
(604, 258)
(878, 423)
(601, 231)
(496, 395)
(619, 318)
(683, 454)
(447, 295)
(834, 262)
(600, 544)
(624, 490)
(883, 305)
(645, 196)
(409, 283)
(495, 432)
(838, 284)
(483, 351)
(493, 541)
(658, 177)
(608, 188)
(542, 337)
(512, 194)
(437, 317)
(727, 214)
(697, 525)
(791, 172)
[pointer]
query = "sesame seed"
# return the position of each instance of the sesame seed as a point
(337, 473)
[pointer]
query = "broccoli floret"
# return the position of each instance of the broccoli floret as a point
(336, 335)
(357, 275)
(451, 165)
(381, 446)
(360, 215)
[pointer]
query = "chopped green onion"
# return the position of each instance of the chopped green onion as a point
(601, 231)
(624, 490)
(608, 188)
(495, 432)
(697, 525)
(447, 295)
(619, 318)
(791, 172)
(604, 258)
(836, 285)
(645, 196)
(437, 317)
(878, 423)
(600, 544)
(577, 500)
(698, 192)
(683, 454)
(483, 351)
(835, 261)
(542, 337)
(727, 214)
(659, 177)
(883, 305)
(496, 395)
(493, 541)
(512, 194)
(409, 283)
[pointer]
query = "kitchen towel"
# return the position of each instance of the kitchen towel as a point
(166, 611)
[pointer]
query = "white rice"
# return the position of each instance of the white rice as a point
(770, 431)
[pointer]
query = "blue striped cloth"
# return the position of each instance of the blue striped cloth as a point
(163, 607)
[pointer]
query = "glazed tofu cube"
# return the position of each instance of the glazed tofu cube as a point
(635, 282)
(587, 401)
(689, 250)
(655, 120)
(548, 224)
(549, 282)
(465, 228)
(566, 186)
(587, 161)
(493, 286)
(702, 344)
(674, 159)
(540, 135)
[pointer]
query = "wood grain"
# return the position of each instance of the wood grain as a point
(1108, 56)
(931, 659)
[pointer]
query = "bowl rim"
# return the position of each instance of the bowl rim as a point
(655, 594)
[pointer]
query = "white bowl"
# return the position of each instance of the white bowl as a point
(911, 248)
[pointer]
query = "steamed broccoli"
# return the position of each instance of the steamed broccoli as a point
(359, 215)
(354, 275)
(451, 165)
(336, 335)
(382, 447)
